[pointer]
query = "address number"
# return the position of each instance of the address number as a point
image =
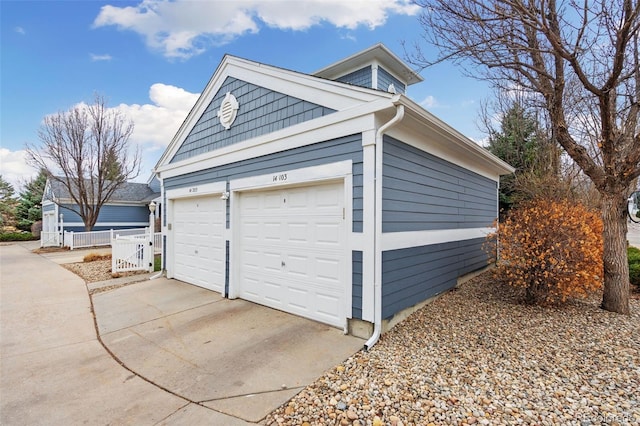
(280, 178)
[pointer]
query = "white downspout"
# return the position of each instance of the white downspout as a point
(377, 281)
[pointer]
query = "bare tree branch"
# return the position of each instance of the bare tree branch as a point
(582, 59)
(87, 151)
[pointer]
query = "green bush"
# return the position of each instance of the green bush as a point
(16, 236)
(633, 254)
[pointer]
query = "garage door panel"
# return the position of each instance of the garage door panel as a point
(198, 240)
(292, 255)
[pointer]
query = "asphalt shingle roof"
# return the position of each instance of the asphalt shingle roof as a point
(128, 192)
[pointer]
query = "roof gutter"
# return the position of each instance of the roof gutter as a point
(377, 281)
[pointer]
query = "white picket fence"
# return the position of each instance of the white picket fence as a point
(131, 254)
(49, 239)
(134, 252)
(75, 240)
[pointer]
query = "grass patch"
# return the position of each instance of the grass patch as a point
(633, 254)
(157, 263)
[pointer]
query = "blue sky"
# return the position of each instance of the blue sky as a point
(151, 59)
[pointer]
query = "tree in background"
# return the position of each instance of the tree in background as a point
(7, 203)
(87, 151)
(522, 142)
(29, 208)
(580, 62)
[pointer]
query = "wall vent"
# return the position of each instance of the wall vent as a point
(228, 110)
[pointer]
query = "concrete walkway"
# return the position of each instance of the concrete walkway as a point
(53, 370)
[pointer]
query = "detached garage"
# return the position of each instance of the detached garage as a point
(332, 196)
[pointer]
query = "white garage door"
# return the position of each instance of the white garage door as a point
(199, 243)
(292, 250)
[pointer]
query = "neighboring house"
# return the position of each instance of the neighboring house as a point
(332, 196)
(127, 208)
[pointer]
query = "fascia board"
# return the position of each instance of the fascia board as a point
(462, 142)
(334, 95)
(197, 110)
(69, 201)
(331, 94)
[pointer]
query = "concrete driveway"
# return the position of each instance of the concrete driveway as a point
(233, 356)
(172, 354)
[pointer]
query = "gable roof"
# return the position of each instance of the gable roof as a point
(347, 100)
(129, 192)
(327, 93)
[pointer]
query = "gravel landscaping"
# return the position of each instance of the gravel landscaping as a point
(477, 356)
(98, 270)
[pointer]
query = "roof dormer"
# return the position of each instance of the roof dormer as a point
(375, 68)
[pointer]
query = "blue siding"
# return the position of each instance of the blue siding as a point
(361, 77)
(48, 208)
(423, 192)
(108, 213)
(261, 111)
(385, 79)
(412, 275)
(155, 185)
(345, 148)
(356, 279)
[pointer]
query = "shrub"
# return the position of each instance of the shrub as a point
(92, 257)
(16, 236)
(552, 249)
(633, 255)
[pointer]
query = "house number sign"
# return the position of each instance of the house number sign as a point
(193, 189)
(280, 178)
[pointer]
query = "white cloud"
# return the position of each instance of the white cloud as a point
(429, 102)
(20, 30)
(156, 123)
(14, 168)
(184, 28)
(104, 57)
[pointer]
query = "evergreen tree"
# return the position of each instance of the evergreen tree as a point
(29, 209)
(522, 143)
(7, 203)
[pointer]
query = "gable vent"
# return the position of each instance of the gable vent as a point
(228, 110)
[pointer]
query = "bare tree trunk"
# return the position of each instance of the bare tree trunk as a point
(616, 267)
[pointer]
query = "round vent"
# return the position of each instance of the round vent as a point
(228, 110)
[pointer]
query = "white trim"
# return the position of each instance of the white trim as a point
(374, 74)
(134, 224)
(368, 224)
(294, 176)
(200, 190)
(342, 170)
(331, 126)
(400, 240)
(68, 201)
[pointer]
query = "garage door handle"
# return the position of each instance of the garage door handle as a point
(196, 252)
(283, 265)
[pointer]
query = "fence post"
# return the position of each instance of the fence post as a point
(151, 230)
(72, 240)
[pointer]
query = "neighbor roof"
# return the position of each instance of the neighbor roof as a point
(128, 192)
